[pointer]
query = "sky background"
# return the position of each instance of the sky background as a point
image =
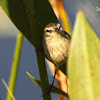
(25, 88)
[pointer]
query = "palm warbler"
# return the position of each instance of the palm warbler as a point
(56, 44)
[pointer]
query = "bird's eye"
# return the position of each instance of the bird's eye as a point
(48, 30)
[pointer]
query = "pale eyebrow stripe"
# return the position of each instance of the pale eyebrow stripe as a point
(49, 28)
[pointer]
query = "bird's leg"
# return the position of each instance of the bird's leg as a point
(49, 90)
(54, 76)
(53, 79)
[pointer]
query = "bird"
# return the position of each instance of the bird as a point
(56, 44)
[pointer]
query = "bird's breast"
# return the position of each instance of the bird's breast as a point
(58, 51)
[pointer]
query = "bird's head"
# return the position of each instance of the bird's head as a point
(55, 30)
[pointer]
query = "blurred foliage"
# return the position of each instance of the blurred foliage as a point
(9, 91)
(84, 61)
(15, 65)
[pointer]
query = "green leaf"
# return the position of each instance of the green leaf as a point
(53, 90)
(84, 61)
(30, 17)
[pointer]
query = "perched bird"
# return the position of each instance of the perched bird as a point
(56, 43)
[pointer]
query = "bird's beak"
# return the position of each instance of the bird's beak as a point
(64, 34)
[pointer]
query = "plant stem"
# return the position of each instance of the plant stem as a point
(15, 65)
(43, 74)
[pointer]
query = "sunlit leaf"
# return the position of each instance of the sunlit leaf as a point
(84, 61)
